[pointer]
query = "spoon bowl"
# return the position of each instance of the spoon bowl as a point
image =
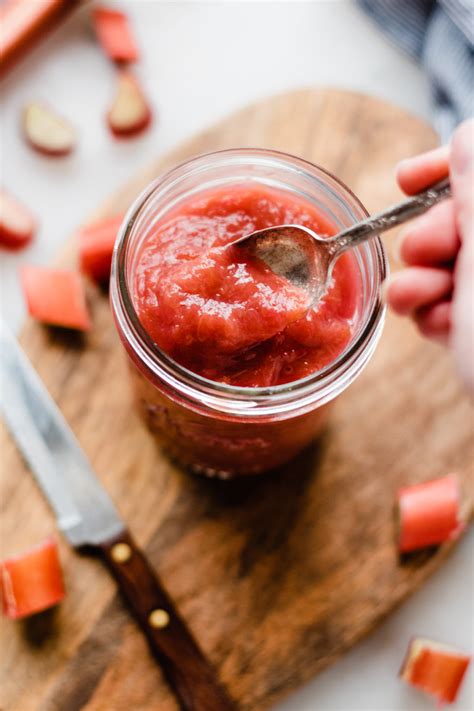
(295, 253)
(306, 260)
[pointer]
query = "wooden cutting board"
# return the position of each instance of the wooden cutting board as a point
(276, 575)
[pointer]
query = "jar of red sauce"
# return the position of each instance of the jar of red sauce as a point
(221, 429)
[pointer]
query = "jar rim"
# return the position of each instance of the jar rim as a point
(213, 393)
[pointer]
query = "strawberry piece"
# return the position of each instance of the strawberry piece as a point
(130, 112)
(96, 244)
(32, 581)
(55, 297)
(47, 132)
(115, 36)
(435, 668)
(429, 513)
(17, 223)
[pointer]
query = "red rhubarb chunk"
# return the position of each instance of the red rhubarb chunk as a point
(115, 35)
(96, 244)
(32, 581)
(17, 223)
(429, 513)
(435, 668)
(55, 297)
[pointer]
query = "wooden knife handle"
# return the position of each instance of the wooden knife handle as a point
(188, 672)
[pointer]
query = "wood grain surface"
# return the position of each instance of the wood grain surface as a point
(276, 575)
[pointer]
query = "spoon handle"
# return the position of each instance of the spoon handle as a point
(393, 216)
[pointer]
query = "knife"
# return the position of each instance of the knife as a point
(89, 520)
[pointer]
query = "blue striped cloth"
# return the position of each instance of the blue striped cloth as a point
(440, 35)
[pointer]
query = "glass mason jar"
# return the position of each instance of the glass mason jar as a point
(214, 428)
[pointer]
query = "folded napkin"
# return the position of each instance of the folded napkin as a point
(440, 35)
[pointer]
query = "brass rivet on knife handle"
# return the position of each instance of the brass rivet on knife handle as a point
(121, 552)
(159, 619)
(190, 675)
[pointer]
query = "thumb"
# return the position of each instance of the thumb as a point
(462, 183)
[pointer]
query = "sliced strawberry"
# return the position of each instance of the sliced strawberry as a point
(435, 668)
(130, 112)
(429, 513)
(55, 297)
(32, 581)
(114, 33)
(96, 244)
(47, 132)
(17, 223)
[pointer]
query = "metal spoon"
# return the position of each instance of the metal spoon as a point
(306, 260)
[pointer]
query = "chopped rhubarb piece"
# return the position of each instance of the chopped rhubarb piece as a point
(429, 513)
(56, 297)
(25, 23)
(130, 113)
(435, 669)
(114, 33)
(17, 223)
(47, 132)
(32, 581)
(96, 244)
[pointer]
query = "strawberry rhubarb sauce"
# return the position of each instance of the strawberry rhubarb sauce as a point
(230, 318)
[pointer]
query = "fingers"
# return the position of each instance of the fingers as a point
(434, 321)
(441, 304)
(414, 174)
(425, 294)
(417, 287)
(431, 239)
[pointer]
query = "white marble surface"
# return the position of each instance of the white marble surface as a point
(202, 60)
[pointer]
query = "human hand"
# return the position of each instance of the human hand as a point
(437, 286)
